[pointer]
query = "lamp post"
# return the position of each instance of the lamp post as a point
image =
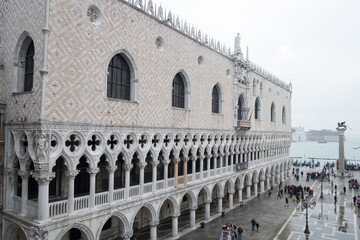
(321, 181)
(307, 205)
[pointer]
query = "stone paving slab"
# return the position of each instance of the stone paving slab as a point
(326, 220)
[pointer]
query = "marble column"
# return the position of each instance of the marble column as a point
(201, 159)
(142, 166)
(166, 162)
(176, 171)
(71, 179)
(208, 165)
(193, 164)
(255, 188)
(192, 217)
(153, 230)
(127, 167)
(92, 172)
(175, 226)
(278, 177)
(240, 195)
(262, 185)
(248, 191)
(236, 157)
(207, 209)
(220, 203)
(273, 180)
(24, 190)
(10, 178)
(268, 181)
(154, 164)
(185, 161)
(111, 170)
(231, 199)
(43, 179)
(341, 133)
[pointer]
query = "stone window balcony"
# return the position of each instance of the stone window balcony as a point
(243, 125)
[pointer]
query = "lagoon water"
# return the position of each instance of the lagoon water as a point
(307, 150)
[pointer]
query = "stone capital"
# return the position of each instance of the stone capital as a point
(176, 160)
(72, 173)
(165, 161)
(208, 201)
(127, 235)
(193, 208)
(231, 192)
(111, 169)
(154, 223)
(43, 176)
(142, 165)
(154, 163)
(92, 171)
(38, 233)
(128, 166)
(24, 174)
(185, 159)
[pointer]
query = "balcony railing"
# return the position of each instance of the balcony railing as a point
(60, 208)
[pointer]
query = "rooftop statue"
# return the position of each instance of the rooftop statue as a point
(341, 125)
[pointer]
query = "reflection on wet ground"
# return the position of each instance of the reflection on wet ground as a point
(326, 220)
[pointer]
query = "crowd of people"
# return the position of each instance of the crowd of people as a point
(296, 193)
(230, 232)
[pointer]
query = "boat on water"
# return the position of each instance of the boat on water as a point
(322, 141)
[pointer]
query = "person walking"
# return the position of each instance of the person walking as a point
(253, 224)
(354, 200)
(278, 196)
(344, 190)
(257, 226)
(286, 202)
(335, 199)
(269, 195)
(239, 235)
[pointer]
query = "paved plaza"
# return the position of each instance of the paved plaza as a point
(326, 220)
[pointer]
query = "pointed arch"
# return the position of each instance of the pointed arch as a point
(257, 108)
(122, 77)
(283, 115)
(273, 117)
(181, 90)
(242, 110)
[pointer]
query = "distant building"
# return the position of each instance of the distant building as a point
(322, 135)
(298, 134)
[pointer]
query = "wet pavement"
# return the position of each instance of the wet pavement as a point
(326, 220)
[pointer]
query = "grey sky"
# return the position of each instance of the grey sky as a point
(315, 44)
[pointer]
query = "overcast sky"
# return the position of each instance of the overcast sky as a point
(314, 44)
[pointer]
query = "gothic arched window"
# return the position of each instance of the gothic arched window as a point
(257, 108)
(242, 111)
(215, 100)
(25, 62)
(29, 68)
(178, 92)
(283, 115)
(119, 79)
(273, 112)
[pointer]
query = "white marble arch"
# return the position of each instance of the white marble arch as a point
(175, 208)
(150, 208)
(84, 229)
(193, 198)
(12, 231)
(122, 218)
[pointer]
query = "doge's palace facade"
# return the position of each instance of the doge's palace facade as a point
(118, 118)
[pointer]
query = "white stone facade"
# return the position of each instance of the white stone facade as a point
(75, 158)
